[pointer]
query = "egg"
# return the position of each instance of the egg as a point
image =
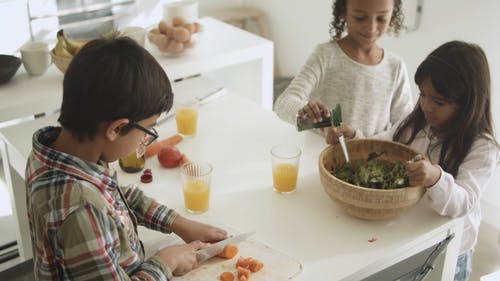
(175, 46)
(181, 34)
(160, 40)
(178, 21)
(189, 44)
(197, 27)
(190, 27)
(164, 27)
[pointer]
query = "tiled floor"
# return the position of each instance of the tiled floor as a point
(486, 257)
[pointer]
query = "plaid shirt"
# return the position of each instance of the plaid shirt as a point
(83, 226)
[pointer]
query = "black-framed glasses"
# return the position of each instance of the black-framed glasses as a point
(149, 135)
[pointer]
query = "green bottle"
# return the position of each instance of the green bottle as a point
(132, 164)
(335, 119)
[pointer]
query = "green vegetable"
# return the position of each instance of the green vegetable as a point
(373, 174)
(336, 115)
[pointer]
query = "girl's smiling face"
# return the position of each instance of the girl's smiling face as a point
(368, 20)
(438, 111)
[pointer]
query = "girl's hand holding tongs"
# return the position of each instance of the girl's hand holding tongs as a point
(422, 172)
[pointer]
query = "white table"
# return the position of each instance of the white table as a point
(235, 135)
(224, 53)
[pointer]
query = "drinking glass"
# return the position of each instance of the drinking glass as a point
(186, 117)
(285, 164)
(196, 177)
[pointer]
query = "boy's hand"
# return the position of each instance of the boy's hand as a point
(422, 173)
(334, 133)
(190, 230)
(181, 258)
(313, 111)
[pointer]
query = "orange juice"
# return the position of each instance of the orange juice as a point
(285, 177)
(186, 120)
(196, 195)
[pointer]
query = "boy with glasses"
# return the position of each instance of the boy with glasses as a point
(83, 225)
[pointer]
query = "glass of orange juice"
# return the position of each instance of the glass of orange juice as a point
(186, 116)
(285, 163)
(196, 177)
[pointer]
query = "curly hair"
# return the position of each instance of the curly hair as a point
(338, 24)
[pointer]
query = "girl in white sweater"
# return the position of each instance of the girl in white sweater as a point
(370, 83)
(452, 126)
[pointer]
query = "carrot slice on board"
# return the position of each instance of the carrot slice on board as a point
(255, 265)
(243, 262)
(243, 272)
(156, 146)
(227, 276)
(229, 252)
(242, 278)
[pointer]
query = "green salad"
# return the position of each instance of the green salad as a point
(373, 174)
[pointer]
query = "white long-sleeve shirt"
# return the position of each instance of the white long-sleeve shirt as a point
(373, 97)
(459, 196)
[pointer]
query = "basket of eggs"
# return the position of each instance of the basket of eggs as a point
(176, 38)
(374, 184)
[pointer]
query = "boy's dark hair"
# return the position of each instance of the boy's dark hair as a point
(338, 23)
(111, 79)
(459, 72)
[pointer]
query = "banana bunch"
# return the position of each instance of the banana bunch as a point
(65, 47)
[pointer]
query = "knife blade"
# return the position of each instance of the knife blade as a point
(336, 116)
(216, 248)
(201, 101)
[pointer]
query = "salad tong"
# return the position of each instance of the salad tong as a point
(335, 119)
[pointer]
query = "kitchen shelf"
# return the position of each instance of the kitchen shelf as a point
(76, 11)
(73, 11)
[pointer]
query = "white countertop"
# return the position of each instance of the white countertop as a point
(235, 135)
(221, 46)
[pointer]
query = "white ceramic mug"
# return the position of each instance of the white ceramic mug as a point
(137, 33)
(36, 58)
(187, 9)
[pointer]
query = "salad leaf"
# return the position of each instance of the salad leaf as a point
(373, 174)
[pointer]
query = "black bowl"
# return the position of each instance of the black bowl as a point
(8, 67)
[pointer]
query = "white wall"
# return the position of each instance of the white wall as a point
(14, 27)
(297, 28)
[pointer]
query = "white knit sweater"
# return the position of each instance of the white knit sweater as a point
(373, 97)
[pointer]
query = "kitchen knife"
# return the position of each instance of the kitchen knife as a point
(216, 248)
(201, 100)
(336, 116)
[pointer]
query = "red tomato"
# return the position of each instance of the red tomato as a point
(169, 156)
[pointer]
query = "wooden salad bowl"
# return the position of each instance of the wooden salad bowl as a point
(368, 203)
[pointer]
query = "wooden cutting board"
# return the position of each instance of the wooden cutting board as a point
(277, 266)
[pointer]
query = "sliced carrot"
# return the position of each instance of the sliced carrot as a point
(243, 272)
(227, 276)
(255, 265)
(156, 146)
(243, 278)
(229, 252)
(243, 262)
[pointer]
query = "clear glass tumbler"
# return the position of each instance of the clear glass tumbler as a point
(196, 178)
(285, 164)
